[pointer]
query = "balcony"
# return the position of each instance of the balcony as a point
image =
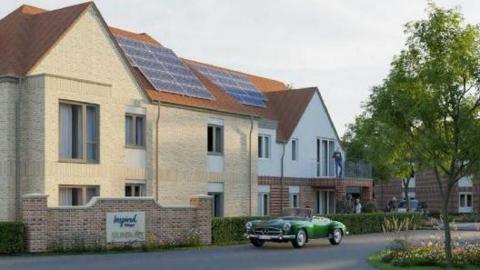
(351, 169)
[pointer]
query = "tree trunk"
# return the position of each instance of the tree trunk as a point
(446, 228)
(406, 183)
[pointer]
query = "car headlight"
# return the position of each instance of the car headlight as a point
(286, 227)
(248, 226)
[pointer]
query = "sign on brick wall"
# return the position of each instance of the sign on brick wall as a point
(125, 227)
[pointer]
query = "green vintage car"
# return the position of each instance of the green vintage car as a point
(297, 225)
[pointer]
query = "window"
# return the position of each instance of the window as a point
(134, 190)
(215, 139)
(79, 132)
(325, 161)
(325, 202)
(263, 146)
(135, 130)
(217, 203)
(76, 195)
(465, 202)
(294, 149)
(293, 196)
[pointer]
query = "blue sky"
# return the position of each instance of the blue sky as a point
(344, 46)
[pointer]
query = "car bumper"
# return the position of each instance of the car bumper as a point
(269, 237)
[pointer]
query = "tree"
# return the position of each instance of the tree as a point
(432, 97)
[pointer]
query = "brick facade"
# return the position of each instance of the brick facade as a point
(426, 190)
(279, 197)
(50, 228)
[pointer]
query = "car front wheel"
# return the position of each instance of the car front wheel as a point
(300, 239)
(336, 237)
(257, 242)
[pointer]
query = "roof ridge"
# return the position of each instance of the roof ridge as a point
(31, 10)
(228, 69)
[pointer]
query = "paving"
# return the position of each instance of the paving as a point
(318, 254)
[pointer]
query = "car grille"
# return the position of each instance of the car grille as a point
(268, 231)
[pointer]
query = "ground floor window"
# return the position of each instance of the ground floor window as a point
(217, 204)
(77, 195)
(325, 202)
(134, 190)
(263, 204)
(293, 196)
(465, 202)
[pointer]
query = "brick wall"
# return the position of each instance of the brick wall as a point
(308, 188)
(50, 228)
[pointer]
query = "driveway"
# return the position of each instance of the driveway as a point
(318, 254)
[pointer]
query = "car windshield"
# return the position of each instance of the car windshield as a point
(296, 213)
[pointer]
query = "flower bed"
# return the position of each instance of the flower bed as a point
(431, 253)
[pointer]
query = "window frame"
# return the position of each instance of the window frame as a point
(264, 146)
(325, 156)
(294, 199)
(261, 204)
(142, 187)
(294, 151)
(134, 131)
(84, 106)
(215, 151)
(84, 192)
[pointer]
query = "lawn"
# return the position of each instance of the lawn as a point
(375, 260)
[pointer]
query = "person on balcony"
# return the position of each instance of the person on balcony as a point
(337, 156)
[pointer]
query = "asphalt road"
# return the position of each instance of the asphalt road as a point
(318, 254)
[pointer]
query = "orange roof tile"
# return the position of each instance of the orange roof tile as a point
(28, 33)
(142, 36)
(263, 84)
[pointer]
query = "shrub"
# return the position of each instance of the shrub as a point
(231, 229)
(11, 237)
(373, 222)
(227, 230)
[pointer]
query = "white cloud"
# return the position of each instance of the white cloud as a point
(343, 47)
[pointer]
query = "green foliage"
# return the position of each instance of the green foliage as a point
(230, 230)
(12, 236)
(432, 255)
(426, 111)
(372, 222)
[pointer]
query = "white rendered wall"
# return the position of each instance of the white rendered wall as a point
(313, 124)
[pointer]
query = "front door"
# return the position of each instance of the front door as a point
(325, 202)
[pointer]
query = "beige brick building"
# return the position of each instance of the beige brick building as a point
(93, 110)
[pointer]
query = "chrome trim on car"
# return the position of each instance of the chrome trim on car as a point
(269, 237)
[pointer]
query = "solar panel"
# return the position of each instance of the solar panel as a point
(235, 84)
(163, 69)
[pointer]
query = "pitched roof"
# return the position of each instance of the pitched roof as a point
(287, 107)
(29, 32)
(261, 83)
(142, 36)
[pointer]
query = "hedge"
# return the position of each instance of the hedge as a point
(231, 229)
(11, 237)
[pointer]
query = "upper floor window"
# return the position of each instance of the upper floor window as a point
(135, 130)
(215, 139)
(263, 146)
(79, 132)
(325, 161)
(294, 149)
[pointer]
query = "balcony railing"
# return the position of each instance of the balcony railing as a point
(353, 169)
(357, 169)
